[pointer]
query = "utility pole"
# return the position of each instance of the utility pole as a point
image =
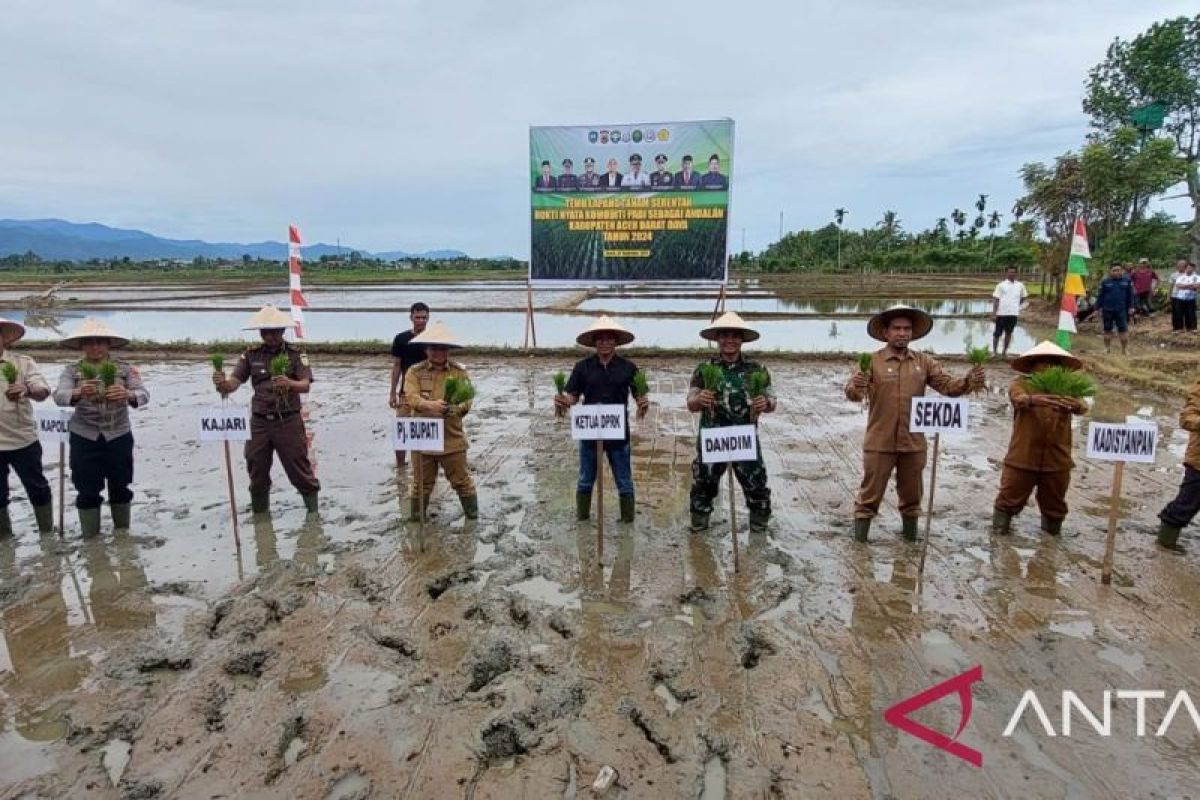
(743, 240)
(781, 225)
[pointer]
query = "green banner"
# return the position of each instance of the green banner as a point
(641, 202)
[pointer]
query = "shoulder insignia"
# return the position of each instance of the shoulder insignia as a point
(304, 359)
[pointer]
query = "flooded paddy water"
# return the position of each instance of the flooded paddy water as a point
(355, 655)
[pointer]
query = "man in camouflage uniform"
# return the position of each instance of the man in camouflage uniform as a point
(275, 422)
(425, 393)
(101, 437)
(730, 404)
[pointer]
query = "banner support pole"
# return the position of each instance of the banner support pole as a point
(530, 324)
(1114, 510)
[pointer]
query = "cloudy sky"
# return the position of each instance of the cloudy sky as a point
(401, 125)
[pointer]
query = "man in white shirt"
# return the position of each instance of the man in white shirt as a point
(635, 179)
(1184, 285)
(1006, 306)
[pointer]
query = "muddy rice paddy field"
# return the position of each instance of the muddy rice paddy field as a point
(354, 655)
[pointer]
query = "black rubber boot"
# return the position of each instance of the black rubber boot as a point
(5, 523)
(908, 528)
(699, 522)
(1168, 538)
(120, 515)
(583, 506)
(470, 506)
(1001, 523)
(862, 529)
(758, 522)
(45, 517)
(260, 503)
(1052, 526)
(89, 522)
(310, 502)
(627, 508)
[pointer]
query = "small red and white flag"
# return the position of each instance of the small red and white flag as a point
(297, 302)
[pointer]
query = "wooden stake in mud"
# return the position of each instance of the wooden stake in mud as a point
(237, 539)
(937, 440)
(733, 521)
(419, 478)
(599, 501)
(530, 325)
(719, 308)
(62, 488)
(1114, 511)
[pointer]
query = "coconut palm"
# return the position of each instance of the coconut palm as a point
(992, 223)
(959, 218)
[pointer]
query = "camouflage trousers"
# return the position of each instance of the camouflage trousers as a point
(752, 475)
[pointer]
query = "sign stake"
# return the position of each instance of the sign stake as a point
(937, 440)
(62, 489)
(1114, 510)
(600, 502)
(419, 477)
(237, 539)
(733, 522)
(530, 325)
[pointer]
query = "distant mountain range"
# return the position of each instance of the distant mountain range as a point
(59, 240)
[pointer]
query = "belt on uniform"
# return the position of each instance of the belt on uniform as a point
(280, 416)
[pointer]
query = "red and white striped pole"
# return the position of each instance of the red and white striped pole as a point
(298, 304)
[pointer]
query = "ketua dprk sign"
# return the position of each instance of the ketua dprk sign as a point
(939, 415)
(730, 443)
(1122, 441)
(589, 423)
(419, 433)
(52, 424)
(225, 424)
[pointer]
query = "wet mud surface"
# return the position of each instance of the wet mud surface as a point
(356, 655)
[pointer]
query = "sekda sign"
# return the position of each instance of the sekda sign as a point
(939, 415)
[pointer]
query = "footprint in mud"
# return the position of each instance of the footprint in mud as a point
(212, 707)
(754, 646)
(248, 662)
(441, 585)
(396, 643)
(490, 662)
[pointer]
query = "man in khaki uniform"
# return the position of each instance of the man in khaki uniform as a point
(1039, 452)
(424, 391)
(897, 375)
(276, 426)
(19, 445)
(1180, 512)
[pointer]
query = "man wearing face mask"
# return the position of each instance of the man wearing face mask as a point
(897, 375)
(101, 437)
(276, 426)
(730, 403)
(604, 379)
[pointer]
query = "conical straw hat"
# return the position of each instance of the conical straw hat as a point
(1045, 349)
(93, 328)
(11, 325)
(922, 323)
(437, 333)
(269, 318)
(605, 324)
(729, 321)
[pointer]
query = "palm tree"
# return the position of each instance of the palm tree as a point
(959, 219)
(839, 216)
(941, 230)
(890, 225)
(993, 223)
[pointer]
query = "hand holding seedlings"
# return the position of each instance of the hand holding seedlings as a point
(15, 389)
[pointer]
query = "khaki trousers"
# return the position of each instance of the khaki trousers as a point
(454, 466)
(877, 471)
(1017, 484)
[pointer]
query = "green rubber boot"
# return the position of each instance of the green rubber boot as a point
(627, 508)
(5, 523)
(699, 522)
(1168, 538)
(260, 503)
(1052, 526)
(758, 522)
(470, 506)
(120, 515)
(908, 528)
(583, 506)
(45, 517)
(1001, 523)
(862, 530)
(310, 502)
(89, 522)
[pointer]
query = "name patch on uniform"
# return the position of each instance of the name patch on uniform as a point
(419, 433)
(52, 424)
(729, 443)
(939, 415)
(589, 423)
(1122, 442)
(225, 424)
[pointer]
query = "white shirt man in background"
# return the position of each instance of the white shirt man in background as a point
(1006, 306)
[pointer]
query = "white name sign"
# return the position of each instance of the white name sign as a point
(598, 422)
(225, 424)
(730, 443)
(939, 415)
(426, 434)
(1122, 442)
(52, 424)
